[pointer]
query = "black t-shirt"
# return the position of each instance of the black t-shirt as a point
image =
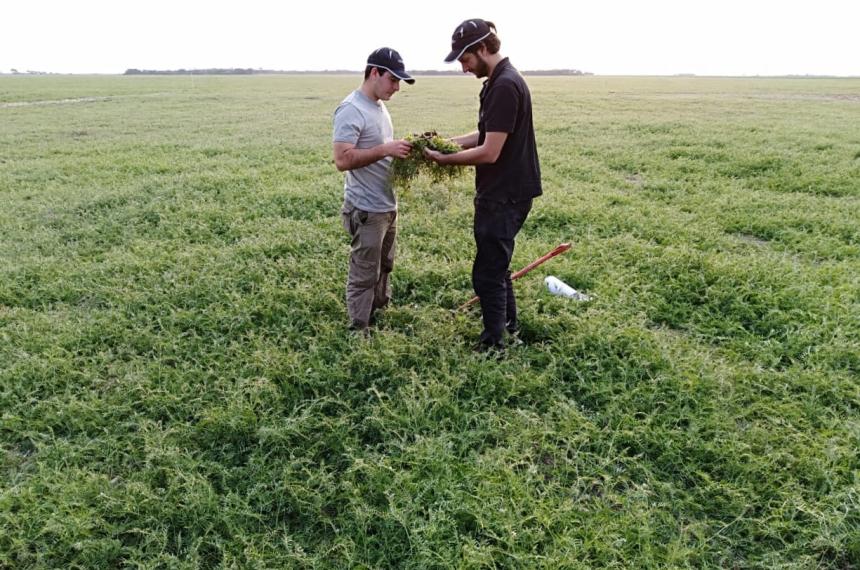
(506, 106)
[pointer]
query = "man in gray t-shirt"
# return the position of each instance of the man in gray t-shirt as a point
(364, 147)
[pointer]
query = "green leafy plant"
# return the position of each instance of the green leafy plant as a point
(405, 170)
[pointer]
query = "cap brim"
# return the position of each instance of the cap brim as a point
(403, 76)
(454, 55)
(399, 73)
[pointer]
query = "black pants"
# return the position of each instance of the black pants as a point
(496, 226)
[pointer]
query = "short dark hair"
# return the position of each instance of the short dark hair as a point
(379, 70)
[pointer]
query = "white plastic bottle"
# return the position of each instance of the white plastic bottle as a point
(558, 287)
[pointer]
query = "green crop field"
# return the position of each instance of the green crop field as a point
(178, 388)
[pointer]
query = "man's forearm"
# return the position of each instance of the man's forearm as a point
(487, 152)
(467, 141)
(360, 157)
(469, 157)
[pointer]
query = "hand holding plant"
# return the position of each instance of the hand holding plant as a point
(405, 170)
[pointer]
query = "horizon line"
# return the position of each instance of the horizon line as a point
(418, 72)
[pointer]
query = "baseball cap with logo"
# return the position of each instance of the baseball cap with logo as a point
(468, 34)
(389, 60)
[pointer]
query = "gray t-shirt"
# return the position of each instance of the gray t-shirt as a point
(365, 123)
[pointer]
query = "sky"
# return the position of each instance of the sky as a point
(608, 37)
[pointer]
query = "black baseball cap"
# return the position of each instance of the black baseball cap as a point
(468, 34)
(389, 60)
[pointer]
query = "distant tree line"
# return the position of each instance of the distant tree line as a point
(212, 71)
(14, 71)
(249, 71)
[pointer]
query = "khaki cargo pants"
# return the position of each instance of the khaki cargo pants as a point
(371, 260)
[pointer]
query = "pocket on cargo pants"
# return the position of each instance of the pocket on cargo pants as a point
(352, 219)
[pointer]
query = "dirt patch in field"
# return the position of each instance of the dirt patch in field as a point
(751, 239)
(54, 102)
(635, 179)
(807, 97)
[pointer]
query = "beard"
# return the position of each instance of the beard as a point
(481, 69)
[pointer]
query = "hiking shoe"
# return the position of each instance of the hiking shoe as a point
(359, 329)
(496, 351)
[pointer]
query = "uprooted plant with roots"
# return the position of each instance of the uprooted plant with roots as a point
(405, 170)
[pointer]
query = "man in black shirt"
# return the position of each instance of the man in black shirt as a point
(507, 171)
